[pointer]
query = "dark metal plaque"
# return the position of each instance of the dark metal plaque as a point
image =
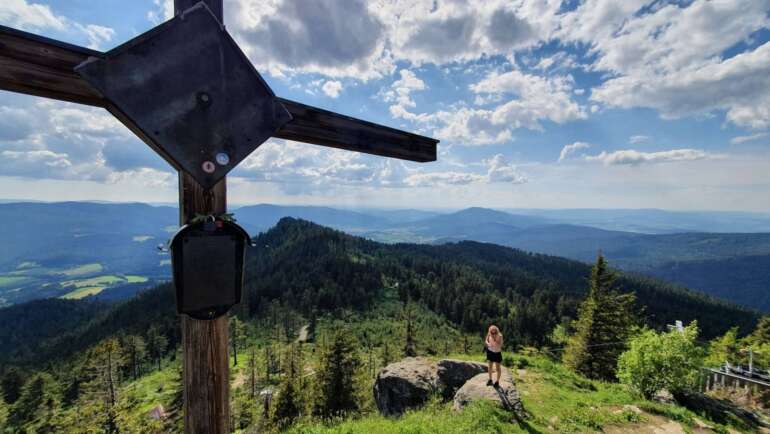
(189, 88)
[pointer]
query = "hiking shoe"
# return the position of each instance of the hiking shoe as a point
(497, 384)
(489, 382)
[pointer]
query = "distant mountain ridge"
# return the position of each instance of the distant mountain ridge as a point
(122, 238)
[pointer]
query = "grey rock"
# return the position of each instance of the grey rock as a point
(504, 395)
(404, 385)
(452, 374)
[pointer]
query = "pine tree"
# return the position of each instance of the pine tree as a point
(156, 343)
(38, 401)
(134, 353)
(603, 326)
(410, 347)
(335, 378)
(101, 388)
(237, 336)
(385, 355)
(252, 374)
(761, 334)
(12, 384)
(287, 406)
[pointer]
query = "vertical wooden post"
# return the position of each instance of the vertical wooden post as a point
(205, 369)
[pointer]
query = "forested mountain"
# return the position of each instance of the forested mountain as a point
(317, 270)
(80, 249)
(471, 283)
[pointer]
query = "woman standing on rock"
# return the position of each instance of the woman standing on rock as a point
(494, 346)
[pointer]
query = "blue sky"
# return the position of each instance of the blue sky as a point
(550, 104)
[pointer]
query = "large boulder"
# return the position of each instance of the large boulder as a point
(505, 395)
(452, 374)
(404, 385)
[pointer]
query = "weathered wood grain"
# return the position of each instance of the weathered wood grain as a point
(322, 127)
(44, 67)
(205, 366)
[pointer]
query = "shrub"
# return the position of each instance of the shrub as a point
(656, 361)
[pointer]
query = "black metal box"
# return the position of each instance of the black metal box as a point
(207, 261)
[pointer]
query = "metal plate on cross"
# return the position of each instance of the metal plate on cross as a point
(192, 92)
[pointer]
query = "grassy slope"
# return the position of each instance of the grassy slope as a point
(557, 399)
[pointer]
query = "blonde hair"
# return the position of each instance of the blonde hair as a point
(494, 327)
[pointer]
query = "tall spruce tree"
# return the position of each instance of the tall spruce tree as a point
(410, 346)
(338, 365)
(288, 403)
(604, 324)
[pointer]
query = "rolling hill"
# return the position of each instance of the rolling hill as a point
(50, 244)
(315, 270)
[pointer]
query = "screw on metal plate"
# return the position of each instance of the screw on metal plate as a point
(223, 159)
(208, 167)
(204, 99)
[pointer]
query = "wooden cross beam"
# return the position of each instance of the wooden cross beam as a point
(44, 67)
(40, 66)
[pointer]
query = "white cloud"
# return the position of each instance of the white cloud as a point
(97, 35)
(501, 171)
(634, 158)
(670, 57)
(568, 150)
(750, 138)
(30, 16)
(400, 94)
(332, 88)
(635, 140)
(332, 37)
(164, 10)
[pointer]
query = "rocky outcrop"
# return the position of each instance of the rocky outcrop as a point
(452, 374)
(504, 395)
(404, 385)
(410, 382)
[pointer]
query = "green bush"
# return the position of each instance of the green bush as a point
(656, 361)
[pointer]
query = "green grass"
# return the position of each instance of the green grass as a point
(557, 400)
(83, 292)
(478, 418)
(83, 270)
(105, 280)
(7, 281)
(135, 279)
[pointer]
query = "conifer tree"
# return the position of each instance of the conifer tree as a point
(761, 334)
(385, 355)
(287, 406)
(101, 388)
(37, 403)
(335, 378)
(156, 343)
(237, 336)
(410, 347)
(603, 326)
(134, 353)
(12, 384)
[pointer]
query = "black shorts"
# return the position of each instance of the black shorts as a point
(494, 357)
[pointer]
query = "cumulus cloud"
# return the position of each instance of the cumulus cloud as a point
(46, 139)
(502, 171)
(400, 93)
(26, 15)
(332, 88)
(332, 37)
(671, 57)
(634, 158)
(635, 140)
(568, 150)
(164, 10)
(30, 16)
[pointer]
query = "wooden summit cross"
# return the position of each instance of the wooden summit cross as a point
(187, 90)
